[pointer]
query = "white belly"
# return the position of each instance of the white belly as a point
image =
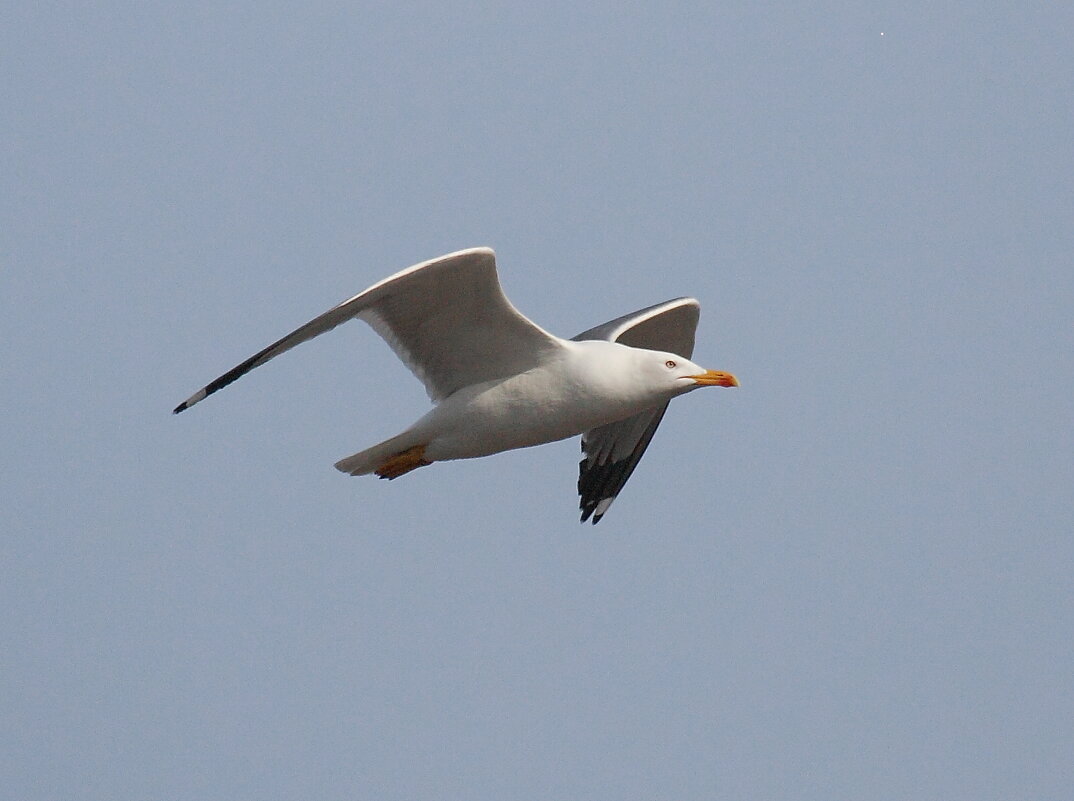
(531, 409)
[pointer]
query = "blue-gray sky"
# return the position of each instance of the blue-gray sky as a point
(850, 578)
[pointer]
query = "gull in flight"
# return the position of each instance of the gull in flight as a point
(499, 382)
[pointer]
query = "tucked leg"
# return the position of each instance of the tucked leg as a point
(401, 463)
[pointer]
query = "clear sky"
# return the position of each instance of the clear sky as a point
(851, 578)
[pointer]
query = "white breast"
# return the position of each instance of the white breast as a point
(561, 398)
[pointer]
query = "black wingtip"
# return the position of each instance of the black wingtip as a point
(586, 512)
(179, 408)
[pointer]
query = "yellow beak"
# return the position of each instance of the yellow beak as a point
(714, 378)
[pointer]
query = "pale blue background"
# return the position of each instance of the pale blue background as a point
(849, 579)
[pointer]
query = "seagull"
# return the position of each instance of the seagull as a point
(498, 381)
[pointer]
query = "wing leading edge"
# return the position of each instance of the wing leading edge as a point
(447, 319)
(612, 451)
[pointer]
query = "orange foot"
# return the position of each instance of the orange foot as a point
(401, 463)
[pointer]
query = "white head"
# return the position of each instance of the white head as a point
(649, 376)
(676, 374)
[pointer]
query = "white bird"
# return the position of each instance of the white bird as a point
(500, 382)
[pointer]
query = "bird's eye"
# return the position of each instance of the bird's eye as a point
(670, 364)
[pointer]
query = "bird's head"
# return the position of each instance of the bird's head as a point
(681, 375)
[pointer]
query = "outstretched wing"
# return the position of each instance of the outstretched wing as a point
(612, 451)
(447, 319)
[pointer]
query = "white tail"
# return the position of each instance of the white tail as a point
(365, 462)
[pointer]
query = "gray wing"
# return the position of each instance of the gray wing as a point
(612, 451)
(447, 319)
